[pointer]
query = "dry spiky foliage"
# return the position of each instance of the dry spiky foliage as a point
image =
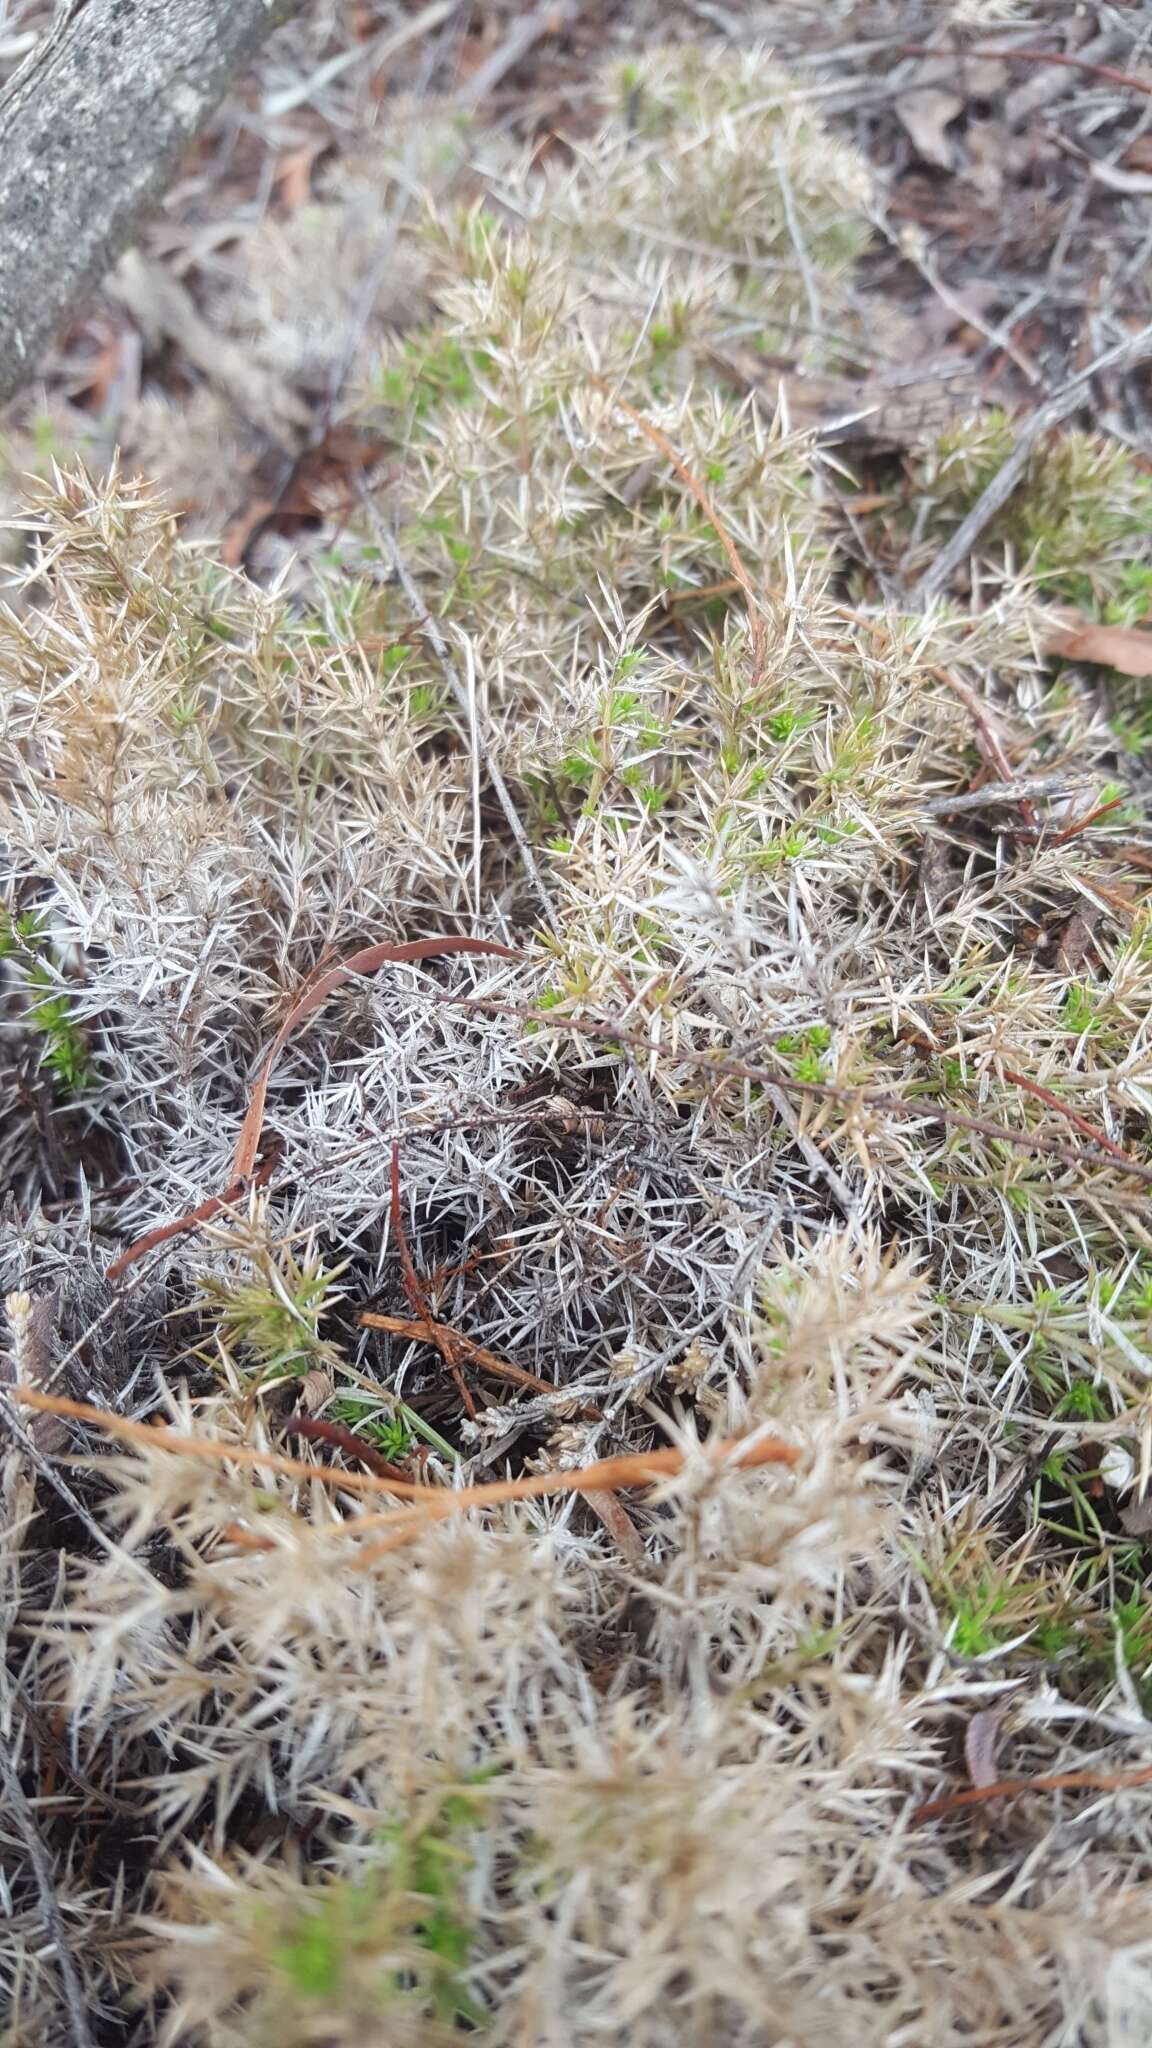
(812, 1104)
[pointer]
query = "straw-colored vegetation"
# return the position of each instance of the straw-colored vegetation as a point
(813, 1107)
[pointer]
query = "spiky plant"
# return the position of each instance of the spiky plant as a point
(811, 1107)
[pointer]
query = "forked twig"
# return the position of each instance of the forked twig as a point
(437, 1334)
(425, 1330)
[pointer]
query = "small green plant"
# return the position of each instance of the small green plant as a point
(272, 1318)
(391, 1435)
(25, 944)
(431, 369)
(1078, 1013)
(402, 1935)
(804, 1051)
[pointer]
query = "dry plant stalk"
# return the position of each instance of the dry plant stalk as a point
(640, 1469)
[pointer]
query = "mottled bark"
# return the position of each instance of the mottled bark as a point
(91, 131)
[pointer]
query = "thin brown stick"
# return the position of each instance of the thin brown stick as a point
(993, 745)
(1083, 1124)
(437, 1334)
(158, 1436)
(477, 1354)
(1083, 825)
(640, 1468)
(202, 1213)
(608, 1476)
(366, 961)
(1109, 72)
(314, 1429)
(1054, 1781)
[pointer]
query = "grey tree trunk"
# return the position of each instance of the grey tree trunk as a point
(91, 131)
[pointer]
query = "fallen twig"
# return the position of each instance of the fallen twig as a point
(366, 961)
(993, 746)
(424, 1329)
(727, 1065)
(638, 1468)
(1015, 792)
(1083, 1124)
(1054, 1781)
(202, 1213)
(1136, 349)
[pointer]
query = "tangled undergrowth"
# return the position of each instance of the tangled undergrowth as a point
(796, 1102)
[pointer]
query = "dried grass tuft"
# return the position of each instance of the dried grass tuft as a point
(804, 1108)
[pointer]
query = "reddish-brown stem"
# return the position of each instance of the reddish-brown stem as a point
(423, 1329)
(1082, 1123)
(315, 1430)
(1010, 1788)
(203, 1213)
(366, 961)
(639, 1468)
(1083, 824)
(687, 476)
(436, 1334)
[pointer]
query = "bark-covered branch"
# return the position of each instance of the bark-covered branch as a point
(91, 131)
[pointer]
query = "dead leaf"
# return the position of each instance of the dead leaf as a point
(620, 1526)
(293, 180)
(314, 486)
(1077, 638)
(981, 1741)
(1138, 155)
(1076, 939)
(925, 114)
(1137, 1519)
